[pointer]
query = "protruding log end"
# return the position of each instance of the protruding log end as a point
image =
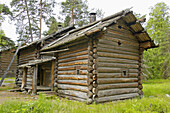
(90, 94)
(140, 92)
(89, 101)
(140, 87)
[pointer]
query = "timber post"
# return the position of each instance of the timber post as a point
(90, 70)
(24, 78)
(34, 84)
(56, 73)
(140, 87)
(52, 75)
(95, 72)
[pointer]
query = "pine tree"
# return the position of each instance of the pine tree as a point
(52, 25)
(77, 12)
(28, 15)
(5, 42)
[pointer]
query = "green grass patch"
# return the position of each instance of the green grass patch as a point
(43, 105)
(8, 78)
(157, 88)
(154, 100)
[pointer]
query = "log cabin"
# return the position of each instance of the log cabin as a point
(99, 62)
(6, 56)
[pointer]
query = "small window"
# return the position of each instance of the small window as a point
(120, 27)
(124, 73)
(119, 43)
(78, 71)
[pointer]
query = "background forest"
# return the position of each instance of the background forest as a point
(30, 15)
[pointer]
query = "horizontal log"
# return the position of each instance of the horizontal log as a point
(111, 92)
(117, 85)
(73, 87)
(72, 72)
(73, 59)
(73, 50)
(115, 80)
(114, 70)
(76, 44)
(114, 55)
(74, 82)
(116, 97)
(72, 97)
(73, 93)
(22, 54)
(101, 49)
(102, 64)
(118, 48)
(80, 62)
(123, 36)
(116, 60)
(122, 43)
(72, 77)
(26, 56)
(28, 79)
(115, 75)
(74, 54)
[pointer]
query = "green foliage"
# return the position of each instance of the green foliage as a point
(5, 42)
(4, 10)
(155, 102)
(158, 27)
(78, 10)
(52, 25)
(26, 14)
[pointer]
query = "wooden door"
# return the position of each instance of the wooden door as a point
(45, 76)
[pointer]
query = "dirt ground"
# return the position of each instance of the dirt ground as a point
(6, 95)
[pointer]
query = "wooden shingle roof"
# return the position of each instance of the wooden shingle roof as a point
(126, 16)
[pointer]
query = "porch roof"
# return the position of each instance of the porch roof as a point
(38, 61)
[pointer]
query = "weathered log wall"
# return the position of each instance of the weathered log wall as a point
(28, 77)
(24, 56)
(71, 77)
(5, 59)
(117, 65)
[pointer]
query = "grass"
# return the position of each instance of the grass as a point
(154, 100)
(8, 80)
(5, 88)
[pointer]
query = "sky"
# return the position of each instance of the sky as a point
(109, 7)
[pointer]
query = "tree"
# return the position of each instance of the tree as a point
(46, 10)
(157, 59)
(4, 10)
(4, 41)
(76, 11)
(28, 15)
(52, 25)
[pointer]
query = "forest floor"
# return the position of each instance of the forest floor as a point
(156, 99)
